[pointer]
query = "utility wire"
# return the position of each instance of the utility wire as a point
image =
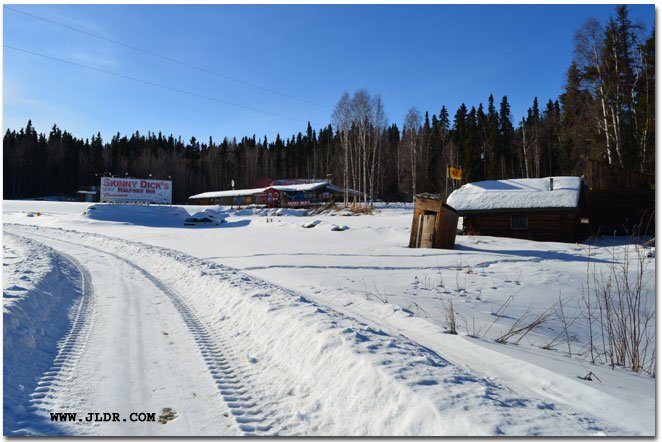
(127, 77)
(164, 57)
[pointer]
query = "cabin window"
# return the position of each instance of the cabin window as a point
(519, 222)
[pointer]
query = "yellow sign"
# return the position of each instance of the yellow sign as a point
(455, 173)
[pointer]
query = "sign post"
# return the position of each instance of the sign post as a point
(455, 173)
(448, 166)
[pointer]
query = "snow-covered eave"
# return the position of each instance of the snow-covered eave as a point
(338, 189)
(226, 193)
(518, 210)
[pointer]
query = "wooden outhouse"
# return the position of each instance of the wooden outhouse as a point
(434, 224)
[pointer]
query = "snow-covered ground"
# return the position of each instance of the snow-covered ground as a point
(261, 326)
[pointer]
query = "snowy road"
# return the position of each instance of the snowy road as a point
(130, 350)
(232, 354)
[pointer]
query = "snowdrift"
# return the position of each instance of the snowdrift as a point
(152, 216)
(37, 311)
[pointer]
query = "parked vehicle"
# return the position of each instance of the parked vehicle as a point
(207, 217)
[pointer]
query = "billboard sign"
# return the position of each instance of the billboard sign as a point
(135, 190)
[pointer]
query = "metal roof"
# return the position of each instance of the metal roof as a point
(283, 188)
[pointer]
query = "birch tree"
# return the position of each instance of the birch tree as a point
(360, 122)
(411, 129)
(342, 120)
(378, 127)
(589, 43)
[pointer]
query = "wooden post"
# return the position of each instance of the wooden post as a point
(446, 192)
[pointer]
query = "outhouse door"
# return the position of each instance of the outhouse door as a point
(426, 232)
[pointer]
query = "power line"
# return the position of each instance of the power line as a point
(164, 57)
(151, 83)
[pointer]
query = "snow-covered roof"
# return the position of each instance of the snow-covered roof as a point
(227, 193)
(334, 188)
(523, 193)
(299, 187)
(307, 187)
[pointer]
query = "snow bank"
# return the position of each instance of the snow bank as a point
(36, 316)
(282, 211)
(153, 216)
(24, 266)
(517, 194)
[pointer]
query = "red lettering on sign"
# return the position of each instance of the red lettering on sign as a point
(151, 185)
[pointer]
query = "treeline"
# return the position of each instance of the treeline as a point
(607, 111)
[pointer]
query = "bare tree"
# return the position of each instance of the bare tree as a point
(525, 148)
(360, 122)
(589, 42)
(378, 126)
(411, 129)
(342, 120)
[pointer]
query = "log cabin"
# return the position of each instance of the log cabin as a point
(540, 209)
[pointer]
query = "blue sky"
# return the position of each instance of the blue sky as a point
(424, 56)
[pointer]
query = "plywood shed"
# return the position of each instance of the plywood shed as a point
(540, 209)
(434, 224)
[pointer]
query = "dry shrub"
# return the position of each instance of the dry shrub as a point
(361, 209)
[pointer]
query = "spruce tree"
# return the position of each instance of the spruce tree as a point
(505, 149)
(492, 136)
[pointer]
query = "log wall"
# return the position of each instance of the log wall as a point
(561, 227)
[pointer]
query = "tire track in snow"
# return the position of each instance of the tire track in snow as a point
(217, 355)
(216, 352)
(70, 348)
